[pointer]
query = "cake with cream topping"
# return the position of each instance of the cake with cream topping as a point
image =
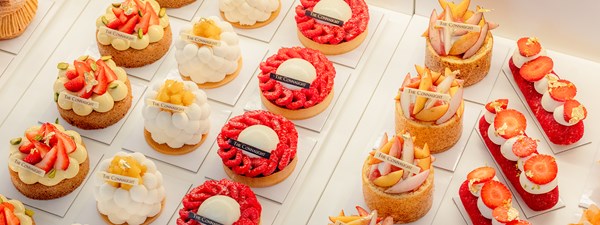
(248, 14)
(13, 212)
(15, 16)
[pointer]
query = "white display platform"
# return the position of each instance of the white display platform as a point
(5, 59)
(15, 45)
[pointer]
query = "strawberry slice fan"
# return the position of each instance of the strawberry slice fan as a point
(533, 175)
(550, 98)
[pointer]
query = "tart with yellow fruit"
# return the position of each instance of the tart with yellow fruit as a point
(590, 216)
(13, 212)
(92, 94)
(208, 53)
(397, 179)
(129, 190)
(48, 162)
(135, 32)
(467, 50)
(363, 218)
(431, 107)
(176, 117)
(15, 16)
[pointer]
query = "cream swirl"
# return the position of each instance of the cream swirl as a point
(248, 12)
(519, 60)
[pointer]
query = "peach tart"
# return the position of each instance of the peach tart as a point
(13, 212)
(590, 216)
(363, 217)
(15, 16)
(249, 14)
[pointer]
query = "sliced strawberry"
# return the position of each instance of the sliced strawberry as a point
(71, 74)
(118, 12)
(505, 214)
(493, 105)
(76, 84)
(529, 46)
(494, 194)
(8, 205)
(509, 123)
(130, 25)
(140, 6)
(574, 111)
(519, 222)
(83, 94)
(154, 20)
(67, 141)
(116, 23)
(145, 22)
(110, 74)
(26, 148)
(524, 146)
(536, 69)
(48, 160)
(562, 90)
(34, 157)
(2, 216)
(81, 67)
(43, 148)
(541, 169)
(62, 158)
(481, 175)
(11, 218)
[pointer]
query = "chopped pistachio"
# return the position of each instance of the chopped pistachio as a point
(140, 13)
(38, 137)
(15, 141)
(116, 5)
(55, 97)
(62, 66)
(140, 33)
(162, 12)
(83, 58)
(94, 66)
(106, 57)
(52, 173)
(29, 212)
(104, 20)
(113, 86)
(56, 120)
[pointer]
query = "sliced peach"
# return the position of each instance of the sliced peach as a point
(453, 90)
(461, 110)
(463, 43)
(435, 76)
(425, 84)
(432, 114)
(421, 153)
(459, 10)
(468, 15)
(341, 213)
(409, 184)
(361, 211)
(384, 140)
(434, 34)
(344, 219)
(424, 163)
(493, 25)
(453, 106)
(390, 179)
(478, 44)
(419, 69)
(385, 149)
(447, 31)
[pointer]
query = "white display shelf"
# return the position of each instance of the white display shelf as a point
(5, 60)
(15, 45)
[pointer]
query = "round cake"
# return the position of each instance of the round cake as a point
(249, 14)
(14, 212)
(15, 16)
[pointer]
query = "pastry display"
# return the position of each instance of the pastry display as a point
(129, 190)
(13, 212)
(249, 14)
(15, 16)
(591, 216)
(48, 162)
(533, 175)
(296, 83)
(174, 3)
(135, 32)
(430, 106)
(208, 52)
(486, 200)
(363, 217)
(220, 202)
(258, 148)
(397, 179)
(92, 94)
(176, 117)
(550, 98)
(332, 26)
(460, 39)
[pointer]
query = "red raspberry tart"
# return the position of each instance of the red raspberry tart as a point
(329, 38)
(224, 202)
(309, 67)
(274, 136)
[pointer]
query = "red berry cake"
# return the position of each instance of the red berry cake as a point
(220, 202)
(533, 175)
(550, 98)
(296, 83)
(329, 38)
(258, 148)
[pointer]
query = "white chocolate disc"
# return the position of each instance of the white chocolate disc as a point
(298, 69)
(337, 9)
(259, 136)
(221, 209)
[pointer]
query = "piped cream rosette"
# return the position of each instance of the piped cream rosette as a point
(248, 12)
(206, 63)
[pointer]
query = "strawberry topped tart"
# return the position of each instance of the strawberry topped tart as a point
(431, 118)
(488, 201)
(347, 32)
(363, 217)
(13, 212)
(48, 162)
(220, 202)
(550, 98)
(402, 192)
(92, 94)
(296, 83)
(135, 32)
(468, 50)
(533, 175)
(258, 148)
(249, 14)
(15, 16)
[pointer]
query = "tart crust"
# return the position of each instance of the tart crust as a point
(405, 207)
(257, 182)
(472, 70)
(338, 49)
(210, 85)
(174, 3)
(165, 149)
(298, 114)
(15, 23)
(257, 24)
(439, 138)
(149, 220)
(131, 58)
(98, 120)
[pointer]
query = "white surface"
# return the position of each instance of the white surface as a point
(287, 36)
(266, 33)
(15, 45)
(185, 12)
(317, 122)
(591, 192)
(462, 210)
(5, 59)
(401, 6)
(213, 169)
(137, 142)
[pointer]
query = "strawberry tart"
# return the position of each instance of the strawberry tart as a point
(249, 14)
(332, 26)
(460, 39)
(135, 32)
(533, 175)
(48, 162)
(15, 16)
(550, 98)
(363, 217)
(397, 179)
(486, 200)
(208, 53)
(220, 202)
(296, 83)
(174, 3)
(13, 212)
(176, 117)
(129, 190)
(431, 106)
(258, 148)
(92, 94)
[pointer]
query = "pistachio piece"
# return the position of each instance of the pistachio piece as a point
(55, 97)
(52, 173)
(15, 141)
(104, 20)
(162, 12)
(56, 120)
(140, 33)
(140, 13)
(94, 66)
(83, 58)
(62, 66)
(116, 5)
(106, 57)
(29, 212)
(38, 137)
(113, 85)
